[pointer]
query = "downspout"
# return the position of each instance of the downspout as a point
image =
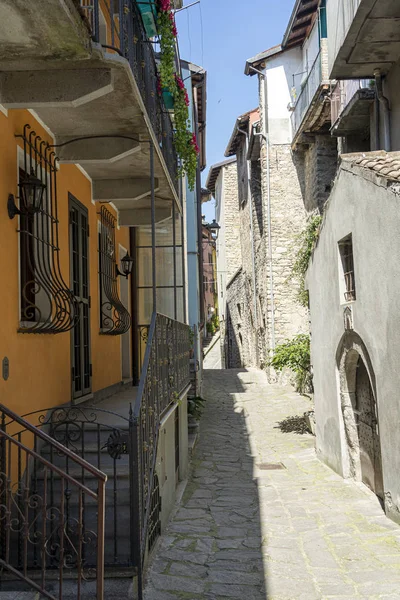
(253, 260)
(199, 215)
(384, 102)
(264, 133)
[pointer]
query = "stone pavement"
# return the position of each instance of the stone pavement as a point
(300, 532)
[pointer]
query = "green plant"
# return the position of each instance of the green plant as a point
(294, 354)
(167, 33)
(195, 407)
(306, 241)
(211, 327)
(215, 320)
(184, 140)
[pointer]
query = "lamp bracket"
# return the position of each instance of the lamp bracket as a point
(12, 208)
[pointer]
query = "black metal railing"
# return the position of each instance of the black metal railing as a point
(123, 32)
(44, 532)
(164, 379)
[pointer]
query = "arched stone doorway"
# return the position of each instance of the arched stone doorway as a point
(360, 413)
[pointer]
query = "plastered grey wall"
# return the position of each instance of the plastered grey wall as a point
(165, 465)
(369, 210)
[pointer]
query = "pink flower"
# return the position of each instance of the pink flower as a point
(174, 29)
(180, 83)
(194, 143)
(165, 5)
(187, 101)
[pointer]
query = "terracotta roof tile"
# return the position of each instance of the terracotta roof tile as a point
(384, 164)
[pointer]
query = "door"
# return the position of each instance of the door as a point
(79, 268)
(368, 432)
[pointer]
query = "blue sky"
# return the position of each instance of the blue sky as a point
(220, 35)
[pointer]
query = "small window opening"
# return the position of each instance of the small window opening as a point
(346, 255)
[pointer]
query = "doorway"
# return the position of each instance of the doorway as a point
(81, 371)
(368, 432)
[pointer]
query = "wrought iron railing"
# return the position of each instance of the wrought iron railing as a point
(44, 534)
(47, 305)
(124, 33)
(307, 94)
(164, 379)
(114, 316)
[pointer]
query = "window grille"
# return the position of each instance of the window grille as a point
(47, 305)
(114, 317)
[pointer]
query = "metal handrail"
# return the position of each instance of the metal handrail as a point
(52, 442)
(165, 377)
(307, 93)
(33, 522)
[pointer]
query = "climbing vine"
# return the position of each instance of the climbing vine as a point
(185, 141)
(306, 241)
(294, 354)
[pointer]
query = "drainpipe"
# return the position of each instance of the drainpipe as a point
(264, 133)
(384, 102)
(253, 260)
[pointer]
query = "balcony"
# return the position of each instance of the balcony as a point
(311, 113)
(363, 35)
(88, 69)
(350, 106)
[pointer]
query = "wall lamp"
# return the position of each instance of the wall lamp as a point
(31, 191)
(214, 227)
(126, 265)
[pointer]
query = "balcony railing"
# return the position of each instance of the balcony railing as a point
(165, 378)
(123, 32)
(307, 94)
(343, 93)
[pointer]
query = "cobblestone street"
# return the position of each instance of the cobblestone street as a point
(244, 531)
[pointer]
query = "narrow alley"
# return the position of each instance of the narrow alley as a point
(262, 517)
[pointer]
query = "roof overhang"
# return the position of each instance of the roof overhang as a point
(302, 18)
(215, 171)
(259, 60)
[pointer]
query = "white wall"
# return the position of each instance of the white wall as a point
(280, 70)
(371, 213)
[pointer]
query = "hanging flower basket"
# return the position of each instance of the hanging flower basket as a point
(148, 11)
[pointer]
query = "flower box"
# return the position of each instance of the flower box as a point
(148, 11)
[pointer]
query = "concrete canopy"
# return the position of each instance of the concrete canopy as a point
(371, 42)
(79, 90)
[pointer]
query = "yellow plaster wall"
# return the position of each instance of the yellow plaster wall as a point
(40, 364)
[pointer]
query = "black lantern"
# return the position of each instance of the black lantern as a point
(31, 196)
(126, 265)
(214, 227)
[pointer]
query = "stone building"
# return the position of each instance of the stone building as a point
(353, 275)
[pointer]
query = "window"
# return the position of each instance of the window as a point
(347, 267)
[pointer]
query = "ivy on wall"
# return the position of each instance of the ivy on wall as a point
(185, 141)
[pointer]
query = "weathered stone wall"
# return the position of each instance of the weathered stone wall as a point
(288, 219)
(232, 222)
(316, 167)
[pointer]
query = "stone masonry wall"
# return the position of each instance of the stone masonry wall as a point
(288, 219)
(232, 222)
(317, 167)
